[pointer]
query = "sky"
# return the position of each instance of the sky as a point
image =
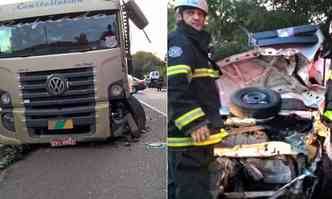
(156, 13)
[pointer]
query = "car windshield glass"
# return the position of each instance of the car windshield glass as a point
(61, 35)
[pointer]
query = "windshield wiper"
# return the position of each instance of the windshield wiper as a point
(16, 54)
(26, 52)
(44, 49)
(61, 43)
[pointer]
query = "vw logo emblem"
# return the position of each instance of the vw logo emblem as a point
(56, 85)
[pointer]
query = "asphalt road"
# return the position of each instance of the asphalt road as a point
(155, 99)
(108, 170)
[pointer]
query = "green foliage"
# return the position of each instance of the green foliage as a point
(145, 62)
(171, 23)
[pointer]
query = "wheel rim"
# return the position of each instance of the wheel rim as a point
(255, 98)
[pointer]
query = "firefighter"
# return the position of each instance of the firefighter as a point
(328, 96)
(194, 122)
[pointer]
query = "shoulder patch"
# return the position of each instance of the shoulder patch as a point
(175, 51)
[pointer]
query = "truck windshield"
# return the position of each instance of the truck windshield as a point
(60, 35)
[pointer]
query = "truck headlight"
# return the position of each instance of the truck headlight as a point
(8, 121)
(5, 99)
(116, 90)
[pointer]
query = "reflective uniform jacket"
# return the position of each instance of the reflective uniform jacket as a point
(193, 99)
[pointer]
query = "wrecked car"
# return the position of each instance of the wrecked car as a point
(278, 146)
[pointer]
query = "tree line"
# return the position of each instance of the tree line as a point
(145, 62)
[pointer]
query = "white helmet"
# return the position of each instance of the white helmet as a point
(200, 4)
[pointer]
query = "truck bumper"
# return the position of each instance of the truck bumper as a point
(22, 135)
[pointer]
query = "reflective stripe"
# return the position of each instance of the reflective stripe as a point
(178, 69)
(185, 69)
(205, 72)
(330, 75)
(185, 119)
(188, 141)
(328, 115)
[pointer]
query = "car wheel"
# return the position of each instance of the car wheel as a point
(254, 102)
(137, 110)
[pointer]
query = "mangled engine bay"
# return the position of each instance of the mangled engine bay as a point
(277, 144)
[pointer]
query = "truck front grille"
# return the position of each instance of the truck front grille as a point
(76, 103)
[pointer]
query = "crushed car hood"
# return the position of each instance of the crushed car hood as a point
(296, 71)
(286, 71)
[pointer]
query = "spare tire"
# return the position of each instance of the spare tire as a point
(255, 102)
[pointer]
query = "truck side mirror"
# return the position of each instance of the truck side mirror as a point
(135, 14)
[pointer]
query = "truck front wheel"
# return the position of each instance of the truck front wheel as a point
(138, 113)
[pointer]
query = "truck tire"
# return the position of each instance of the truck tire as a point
(254, 102)
(137, 110)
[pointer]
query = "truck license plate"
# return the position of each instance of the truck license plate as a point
(63, 142)
(60, 124)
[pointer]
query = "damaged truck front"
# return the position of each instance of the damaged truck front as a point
(278, 146)
(63, 71)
